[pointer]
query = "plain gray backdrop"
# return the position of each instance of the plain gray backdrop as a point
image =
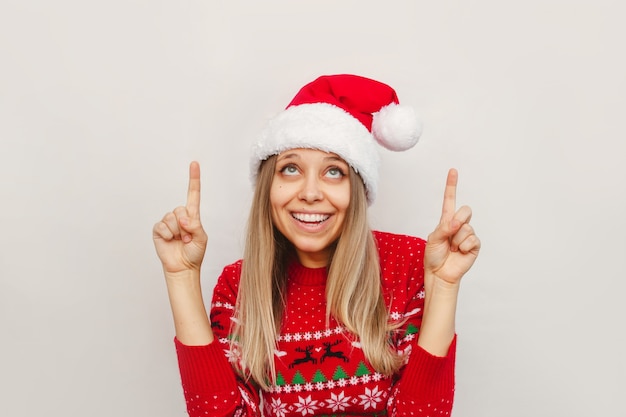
(104, 104)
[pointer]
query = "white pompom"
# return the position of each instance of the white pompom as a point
(396, 127)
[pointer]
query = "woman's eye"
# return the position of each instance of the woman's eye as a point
(334, 173)
(289, 170)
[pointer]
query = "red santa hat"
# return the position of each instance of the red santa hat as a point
(346, 115)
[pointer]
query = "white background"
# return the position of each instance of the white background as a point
(103, 105)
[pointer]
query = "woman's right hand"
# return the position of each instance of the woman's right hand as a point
(179, 238)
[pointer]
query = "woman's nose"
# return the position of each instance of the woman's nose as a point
(311, 190)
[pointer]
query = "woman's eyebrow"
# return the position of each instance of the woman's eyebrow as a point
(288, 156)
(294, 155)
(334, 159)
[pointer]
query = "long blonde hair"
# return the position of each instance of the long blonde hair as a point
(353, 287)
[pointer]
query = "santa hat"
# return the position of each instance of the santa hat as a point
(346, 115)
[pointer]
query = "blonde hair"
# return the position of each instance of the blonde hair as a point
(353, 288)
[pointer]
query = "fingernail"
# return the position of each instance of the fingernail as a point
(454, 224)
(187, 238)
(184, 221)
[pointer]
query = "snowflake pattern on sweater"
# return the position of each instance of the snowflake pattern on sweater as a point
(322, 371)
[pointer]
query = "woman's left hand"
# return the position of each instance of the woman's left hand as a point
(453, 246)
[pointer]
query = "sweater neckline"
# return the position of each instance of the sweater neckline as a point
(300, 274)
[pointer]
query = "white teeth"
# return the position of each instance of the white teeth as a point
(310, 218)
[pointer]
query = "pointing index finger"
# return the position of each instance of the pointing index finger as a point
(449, 195)
(193, 193)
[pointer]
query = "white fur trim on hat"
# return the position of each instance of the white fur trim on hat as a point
(325, 127)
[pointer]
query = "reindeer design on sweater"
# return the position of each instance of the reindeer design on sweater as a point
(328, 353)
(307, 356)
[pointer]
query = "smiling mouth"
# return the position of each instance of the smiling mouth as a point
(310, 218)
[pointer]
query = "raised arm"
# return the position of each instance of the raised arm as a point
(180, 242)
(451, 250)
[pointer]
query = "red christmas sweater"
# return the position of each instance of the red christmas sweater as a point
(322, 371)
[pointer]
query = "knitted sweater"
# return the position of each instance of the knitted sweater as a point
(322, 371)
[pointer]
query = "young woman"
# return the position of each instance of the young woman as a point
(322, 316)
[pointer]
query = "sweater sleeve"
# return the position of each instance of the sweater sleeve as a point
(210, 384)
(425, 384)
(426, 387)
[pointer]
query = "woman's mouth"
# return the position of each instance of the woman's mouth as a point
(313, 218)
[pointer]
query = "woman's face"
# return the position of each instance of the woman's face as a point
(309, 196)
